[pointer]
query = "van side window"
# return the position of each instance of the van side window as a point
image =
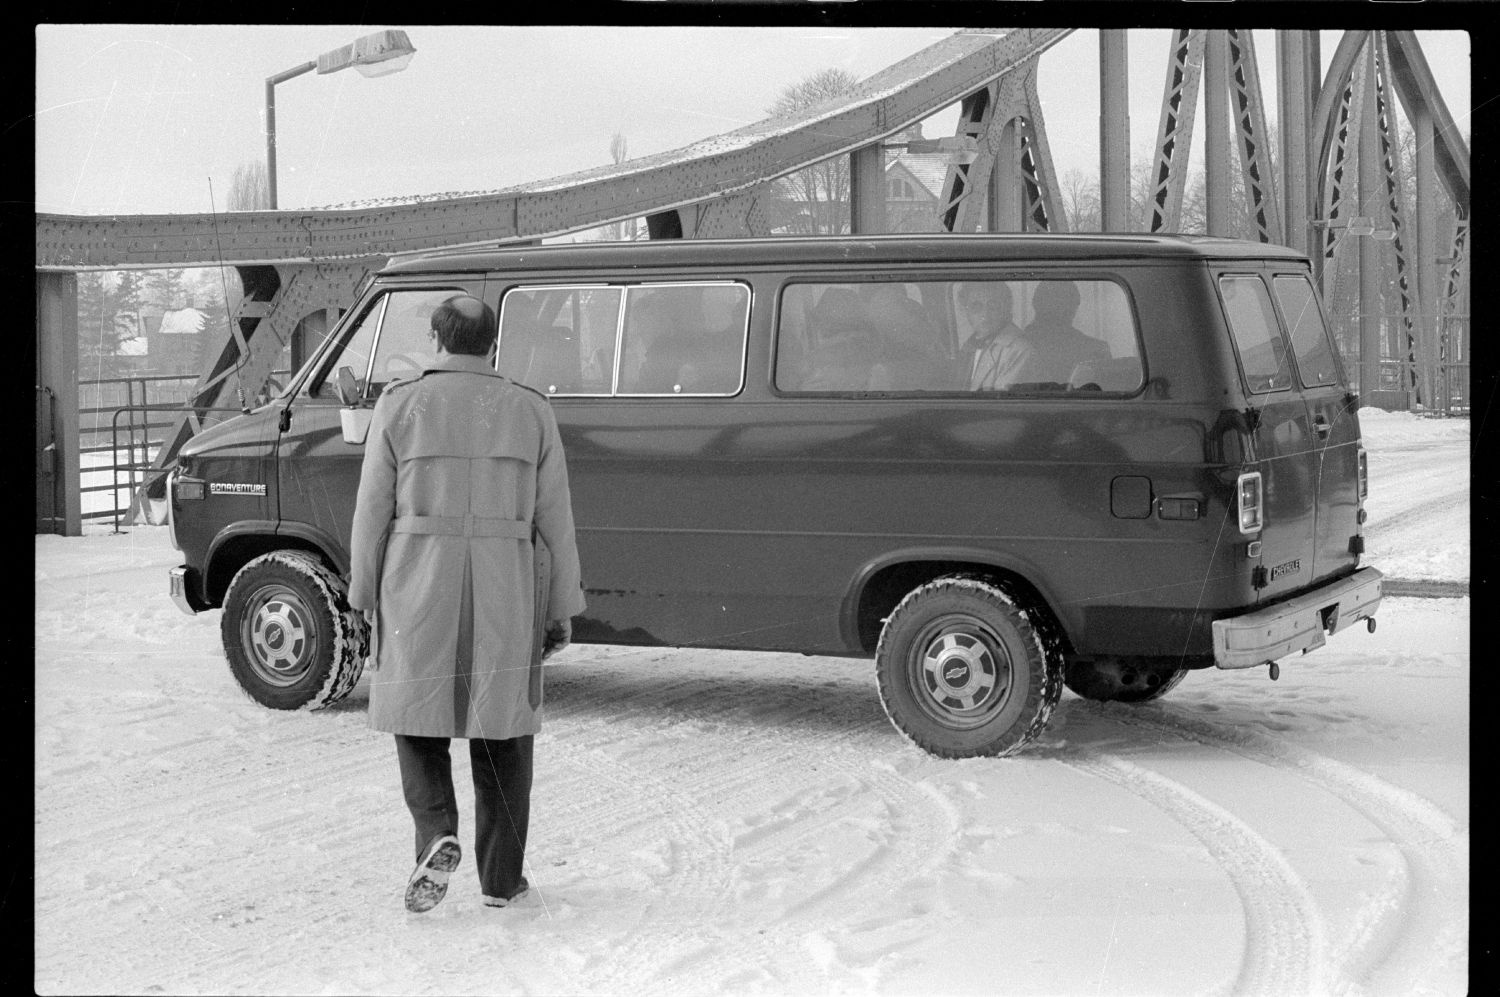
(979, 335)
(674, 339)
(683, 339)
(354, 354)
(403, 348)
(560, 340)
(396, 325)
(1317, 363)
(1257, 334)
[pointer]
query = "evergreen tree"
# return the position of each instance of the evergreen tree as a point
(96, 326)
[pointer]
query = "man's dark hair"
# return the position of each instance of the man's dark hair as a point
(464, 324)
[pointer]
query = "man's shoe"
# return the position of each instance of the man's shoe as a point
(507, 901)
(429, 880)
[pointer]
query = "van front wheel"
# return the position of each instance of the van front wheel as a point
(964, 669)
(291, 639)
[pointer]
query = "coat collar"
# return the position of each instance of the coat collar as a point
(462, 362)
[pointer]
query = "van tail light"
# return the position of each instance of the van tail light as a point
(1364, 474)
(1249, 500)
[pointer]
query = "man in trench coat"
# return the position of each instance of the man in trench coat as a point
(463, 468)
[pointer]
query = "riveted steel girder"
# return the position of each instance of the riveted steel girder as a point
(715, 167)
(285, 298)
(1253, 133)
(1385, 124)
(1174, 135)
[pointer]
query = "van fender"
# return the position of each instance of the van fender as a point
(269, 530)
(1004, 561)
(336, 552)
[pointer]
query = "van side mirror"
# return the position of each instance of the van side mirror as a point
(347, 386)
(354, 419)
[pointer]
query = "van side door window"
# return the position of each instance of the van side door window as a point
(1317, 363)
(683, 339)
(388, 341)
(354, 354)
(560, 340)
(1257, 334)
(641, 339)
(404, 348)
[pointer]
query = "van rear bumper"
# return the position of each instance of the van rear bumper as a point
(1301, 623)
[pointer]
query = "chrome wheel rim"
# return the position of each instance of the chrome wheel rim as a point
(961, 673)
(278, 635)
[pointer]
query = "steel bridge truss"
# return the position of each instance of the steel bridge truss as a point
(298, 268)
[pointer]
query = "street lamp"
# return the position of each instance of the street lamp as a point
(378, 54)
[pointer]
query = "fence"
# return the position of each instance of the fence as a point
(1451, 388)
(122, 426)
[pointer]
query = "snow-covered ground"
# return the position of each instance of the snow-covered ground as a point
(712, 822)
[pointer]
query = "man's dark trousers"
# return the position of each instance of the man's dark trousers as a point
(502, 801)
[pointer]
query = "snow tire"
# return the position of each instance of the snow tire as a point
(966, 668)
(291, 639)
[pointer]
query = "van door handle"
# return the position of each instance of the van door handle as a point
(1322, 426)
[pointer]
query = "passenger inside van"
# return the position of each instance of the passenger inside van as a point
(986, 305)
(1051, 347)
(842, 355)
(910, 357)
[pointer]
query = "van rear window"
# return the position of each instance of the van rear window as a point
(979, 336)
(671, 339)
(1257, 334)
(1317, 364)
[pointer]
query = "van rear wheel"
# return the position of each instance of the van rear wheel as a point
(291, 639)
(965, 670)
(1115, 680)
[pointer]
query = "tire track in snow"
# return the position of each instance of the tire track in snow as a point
(1430, 508)
(1401, 935)
(1284, 936)
(687, 915)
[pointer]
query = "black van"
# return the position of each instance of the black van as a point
(998, 464)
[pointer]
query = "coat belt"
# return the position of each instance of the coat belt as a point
(463, 526)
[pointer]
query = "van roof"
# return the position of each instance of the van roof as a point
(936, 248)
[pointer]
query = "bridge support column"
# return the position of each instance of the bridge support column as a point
(867, 190)
(1216, 131)
(1114, 132)
(59, 507)
(1296, 94)
(1426, 253)
(1371, 197)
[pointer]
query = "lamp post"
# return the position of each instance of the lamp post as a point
(378, 54)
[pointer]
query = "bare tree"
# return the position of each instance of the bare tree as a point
(815, 199)
(627, 230)
(1080, 197)
(250, 190)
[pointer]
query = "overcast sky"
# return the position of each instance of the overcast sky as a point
(143, 118)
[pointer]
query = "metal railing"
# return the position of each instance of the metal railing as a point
(127, 462)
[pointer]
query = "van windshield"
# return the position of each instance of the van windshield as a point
(981, 335)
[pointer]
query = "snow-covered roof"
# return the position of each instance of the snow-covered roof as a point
(182, 322)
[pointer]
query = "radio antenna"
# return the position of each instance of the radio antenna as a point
(239, 382)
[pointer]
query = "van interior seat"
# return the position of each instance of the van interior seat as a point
(555, 362)
(1119, 374)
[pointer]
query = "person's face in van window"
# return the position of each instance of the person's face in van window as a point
(987, 308)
